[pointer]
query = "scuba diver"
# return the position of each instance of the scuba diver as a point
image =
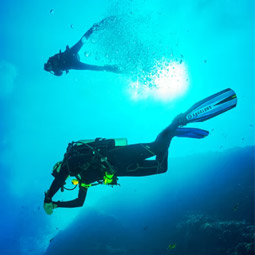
(69, 59)
(102, 161)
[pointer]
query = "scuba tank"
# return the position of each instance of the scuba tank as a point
(104, 143)
(93, 151)
(93, 145)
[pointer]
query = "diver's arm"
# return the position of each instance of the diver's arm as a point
(56, 184)
(78, 202)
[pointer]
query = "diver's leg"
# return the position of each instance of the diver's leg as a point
(96, 26)
(130, 154)
(146, 167)
(76, 48)
(138, 166)
(131, 158)
(77, 65)
(162, 142)
(123, 157)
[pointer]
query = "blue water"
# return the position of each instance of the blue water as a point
(204, 201)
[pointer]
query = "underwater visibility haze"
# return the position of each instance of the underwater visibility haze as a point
(151, 60)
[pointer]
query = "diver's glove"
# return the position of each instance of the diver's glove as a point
(49, 207)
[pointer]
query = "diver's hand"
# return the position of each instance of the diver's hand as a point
(49, 207)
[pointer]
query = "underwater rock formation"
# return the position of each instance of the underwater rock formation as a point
(208, 235)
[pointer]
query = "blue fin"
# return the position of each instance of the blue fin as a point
(191, 132)
(211, 106)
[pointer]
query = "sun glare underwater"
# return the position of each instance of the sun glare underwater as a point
(169, 81)
(143, 64)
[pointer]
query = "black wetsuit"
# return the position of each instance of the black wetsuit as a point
(69, 59)
(130, 160)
